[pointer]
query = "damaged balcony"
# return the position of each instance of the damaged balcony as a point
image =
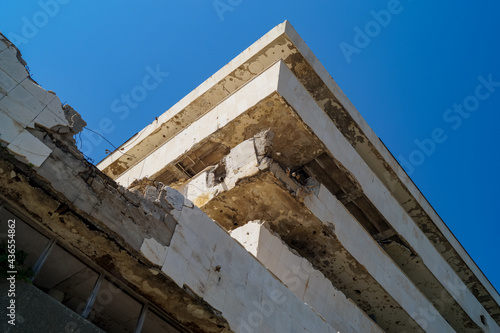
(283, 43)
(277, 102)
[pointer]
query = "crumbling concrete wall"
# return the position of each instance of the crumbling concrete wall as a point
(244, 165)
(157, 243)
(206, 259)
(306, 282)
(33, 106)
(284, 43)
(46, 178)
(243, 161)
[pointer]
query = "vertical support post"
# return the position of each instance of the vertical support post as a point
(92, 297)
(41, 260)
(141, 319)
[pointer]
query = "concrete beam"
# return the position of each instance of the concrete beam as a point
(265, 191)
(326, 137)
(302, 279)
(294, 93)
(284, 43)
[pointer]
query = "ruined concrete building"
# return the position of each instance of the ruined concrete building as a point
(261, 202)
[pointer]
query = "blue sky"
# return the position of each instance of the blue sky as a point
(425, 80)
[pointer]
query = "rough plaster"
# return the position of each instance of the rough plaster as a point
(168, 250)
(313, 133)
(302, 279)
(156, 242)
(284, 43)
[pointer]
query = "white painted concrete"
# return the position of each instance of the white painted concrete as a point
(285, 32)
(367, 252)
(291, 89)
(205, 258)
(307, 283)
(220, 116)
(369, 156)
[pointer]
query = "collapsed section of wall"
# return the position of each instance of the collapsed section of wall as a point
(156, 242)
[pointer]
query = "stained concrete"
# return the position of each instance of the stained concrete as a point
(269, 137)
(38, 312)
(303, 134)
(302, 279)
(265, 191)
(152, 240)
(284, 43)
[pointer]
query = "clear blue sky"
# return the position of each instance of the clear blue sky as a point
(404, 80)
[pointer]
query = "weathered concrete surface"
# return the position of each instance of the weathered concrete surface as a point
(166, 249)
(302, 279)
(277, 100)
(111, 237)
(265, 191)
(156, 242)
(38, 312)
(66, 197)
(206, 276)
(284, 43)
(216, 268)
(254, 108)
(384, 202)
(34, 107)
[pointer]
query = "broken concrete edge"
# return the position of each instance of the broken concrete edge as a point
(375, 153)
(244, 161)
(64, 152)
(208, 124)
(76, 187)
(59, 132)
(300, 269)
(205, 86)
(99, 233)
(199, 203)
(35, 108)
(86, 202)
(265, 224)
(241, 166)
(199, 248)
(267, 177)
(18, 52)
(154, 196)
(395, 270)
(22, 170)
(19, 57)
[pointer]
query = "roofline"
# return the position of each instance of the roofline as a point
(391, 164)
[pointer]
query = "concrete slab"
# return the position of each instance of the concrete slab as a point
(315, 284)
(284, 43)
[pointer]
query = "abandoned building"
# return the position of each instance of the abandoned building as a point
(260, 202)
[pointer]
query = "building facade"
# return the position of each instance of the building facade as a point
(260, 202)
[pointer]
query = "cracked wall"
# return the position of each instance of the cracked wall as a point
(155, 241)
(283, 43)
